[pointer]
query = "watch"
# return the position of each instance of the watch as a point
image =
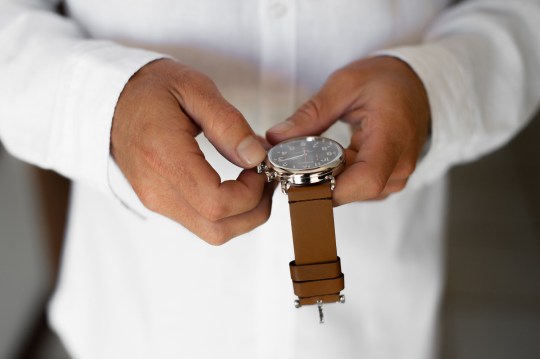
(306, 168)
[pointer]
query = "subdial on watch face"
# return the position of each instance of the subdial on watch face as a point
(305, 153)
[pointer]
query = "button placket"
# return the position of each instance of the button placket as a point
(277, 9)
(277, 59)
(277, 64)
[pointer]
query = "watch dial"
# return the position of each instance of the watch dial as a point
(305, 153)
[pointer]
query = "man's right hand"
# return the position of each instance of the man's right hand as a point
(161, 110)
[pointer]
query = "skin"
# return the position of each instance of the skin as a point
(161, 110)
(387, 107)
(165, 105)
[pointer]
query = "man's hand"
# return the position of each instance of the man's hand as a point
(161, 110)
(387, 107)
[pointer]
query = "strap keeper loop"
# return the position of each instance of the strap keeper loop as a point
(316, 271)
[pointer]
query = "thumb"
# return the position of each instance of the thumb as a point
(223, 125)
(318, 113)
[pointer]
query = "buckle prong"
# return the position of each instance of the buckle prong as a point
(321, 314)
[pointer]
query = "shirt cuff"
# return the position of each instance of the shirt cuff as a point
(93, 78)
(451, 100)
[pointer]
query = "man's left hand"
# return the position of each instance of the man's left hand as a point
(386, 104)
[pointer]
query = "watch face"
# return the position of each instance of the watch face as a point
(306, 153)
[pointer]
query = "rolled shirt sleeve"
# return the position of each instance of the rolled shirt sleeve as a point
(479, 64)
(59, 90)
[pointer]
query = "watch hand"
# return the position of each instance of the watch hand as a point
(291, 158)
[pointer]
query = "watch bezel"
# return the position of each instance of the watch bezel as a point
(306, 176)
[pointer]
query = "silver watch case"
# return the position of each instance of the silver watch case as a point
(288, 177)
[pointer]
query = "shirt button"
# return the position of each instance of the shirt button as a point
(277, 10)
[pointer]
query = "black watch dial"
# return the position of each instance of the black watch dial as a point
(305, 153)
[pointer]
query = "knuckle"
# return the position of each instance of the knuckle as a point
(308, 112)
(189, 82)
(213, 210)
(266, 214)
(231, 115)
(405, 169)
(409, 168)
(228, 120)
(149, 197)
(374, 186)
(399, 186)
(396, 186)
(339, 74)
(187, 75)
(343, 77)
(262, 216)
(251, 199)
(217, 236)
(201, 77)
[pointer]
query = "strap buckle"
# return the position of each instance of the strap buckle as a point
(319, 303)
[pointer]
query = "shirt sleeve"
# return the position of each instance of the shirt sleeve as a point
(479, 62)
(58, 90)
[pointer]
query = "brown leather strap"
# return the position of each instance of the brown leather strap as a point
(316, 270)
(314, 288)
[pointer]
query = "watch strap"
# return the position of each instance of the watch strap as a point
(316, 270)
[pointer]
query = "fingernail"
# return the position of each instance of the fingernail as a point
(251, 151)
(281, 127)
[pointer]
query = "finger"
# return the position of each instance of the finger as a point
(176, 156)
(376, 145)
(393, 186)
(222, 123)
(266, 145)
(367, 175)
(166, 201)
(231, 227)
(335, 98)
(406, 164)
(397, 181)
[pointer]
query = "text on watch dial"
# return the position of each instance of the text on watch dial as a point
(304, 154)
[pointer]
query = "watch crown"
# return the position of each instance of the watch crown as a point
(270, 176)
(332, 181)
(261, 167)
(285, 185)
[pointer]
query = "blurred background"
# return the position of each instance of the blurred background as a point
(491, 305)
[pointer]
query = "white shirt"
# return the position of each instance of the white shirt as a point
(136, 285)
